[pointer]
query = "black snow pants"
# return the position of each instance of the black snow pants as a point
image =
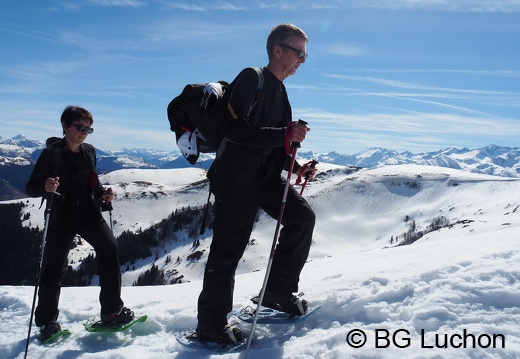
(234, 219)
(93, 228)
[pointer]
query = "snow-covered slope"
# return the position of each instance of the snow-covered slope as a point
(453, 285)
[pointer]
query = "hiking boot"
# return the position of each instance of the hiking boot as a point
(121, 317)
(230, 334)
(49, 329)
(285, 302)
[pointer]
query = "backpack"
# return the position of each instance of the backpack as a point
(197, 116)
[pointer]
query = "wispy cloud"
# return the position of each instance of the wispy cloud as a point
(432, 94)
(501, 73)
(346, 50)
(117, 3)
(511, 6)
(181, 30)
(24, 31)
(410, 85)
(437, 5)
(421, 131)
(205, 6)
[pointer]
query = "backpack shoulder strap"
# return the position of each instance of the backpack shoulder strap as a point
(260, 74)
(259, 88)
(90, 155)
(55, 146)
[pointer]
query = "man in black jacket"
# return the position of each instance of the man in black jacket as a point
(66, 173)
(245, 176)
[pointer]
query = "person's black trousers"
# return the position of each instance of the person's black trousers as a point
(94, 229)
(234, 219)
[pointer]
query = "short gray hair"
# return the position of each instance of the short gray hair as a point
(284, 34)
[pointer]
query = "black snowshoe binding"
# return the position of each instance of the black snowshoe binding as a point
(116, 319)
(49, 329)
(289, 303)
(230, 334)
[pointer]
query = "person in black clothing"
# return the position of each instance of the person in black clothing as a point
(65, 174)
(245, 176)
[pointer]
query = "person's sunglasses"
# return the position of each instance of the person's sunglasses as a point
(82, 128)
(300, 53)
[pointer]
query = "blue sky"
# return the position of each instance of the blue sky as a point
(400, 74)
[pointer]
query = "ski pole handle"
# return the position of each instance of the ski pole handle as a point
(297, 144)
(312, 165)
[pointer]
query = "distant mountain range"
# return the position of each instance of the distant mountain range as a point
(492, 160)
(18, 155)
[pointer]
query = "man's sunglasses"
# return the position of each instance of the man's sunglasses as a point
(300, 53)
(82, 128)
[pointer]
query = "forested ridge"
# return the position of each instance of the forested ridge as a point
(21, 246)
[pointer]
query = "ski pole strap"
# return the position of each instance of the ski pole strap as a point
(302, 170)
(287, 143)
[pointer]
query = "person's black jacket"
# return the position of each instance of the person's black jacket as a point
(254, 131)
(54, 162)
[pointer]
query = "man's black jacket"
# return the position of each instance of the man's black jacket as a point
(254, 131)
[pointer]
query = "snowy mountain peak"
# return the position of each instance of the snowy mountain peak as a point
(21, 141)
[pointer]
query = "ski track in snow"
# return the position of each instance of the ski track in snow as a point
(462, 280)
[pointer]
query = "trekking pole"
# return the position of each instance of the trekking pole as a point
(294, 148)
(312, 165)
(107, 206)
(42, 252)
(110, 208)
